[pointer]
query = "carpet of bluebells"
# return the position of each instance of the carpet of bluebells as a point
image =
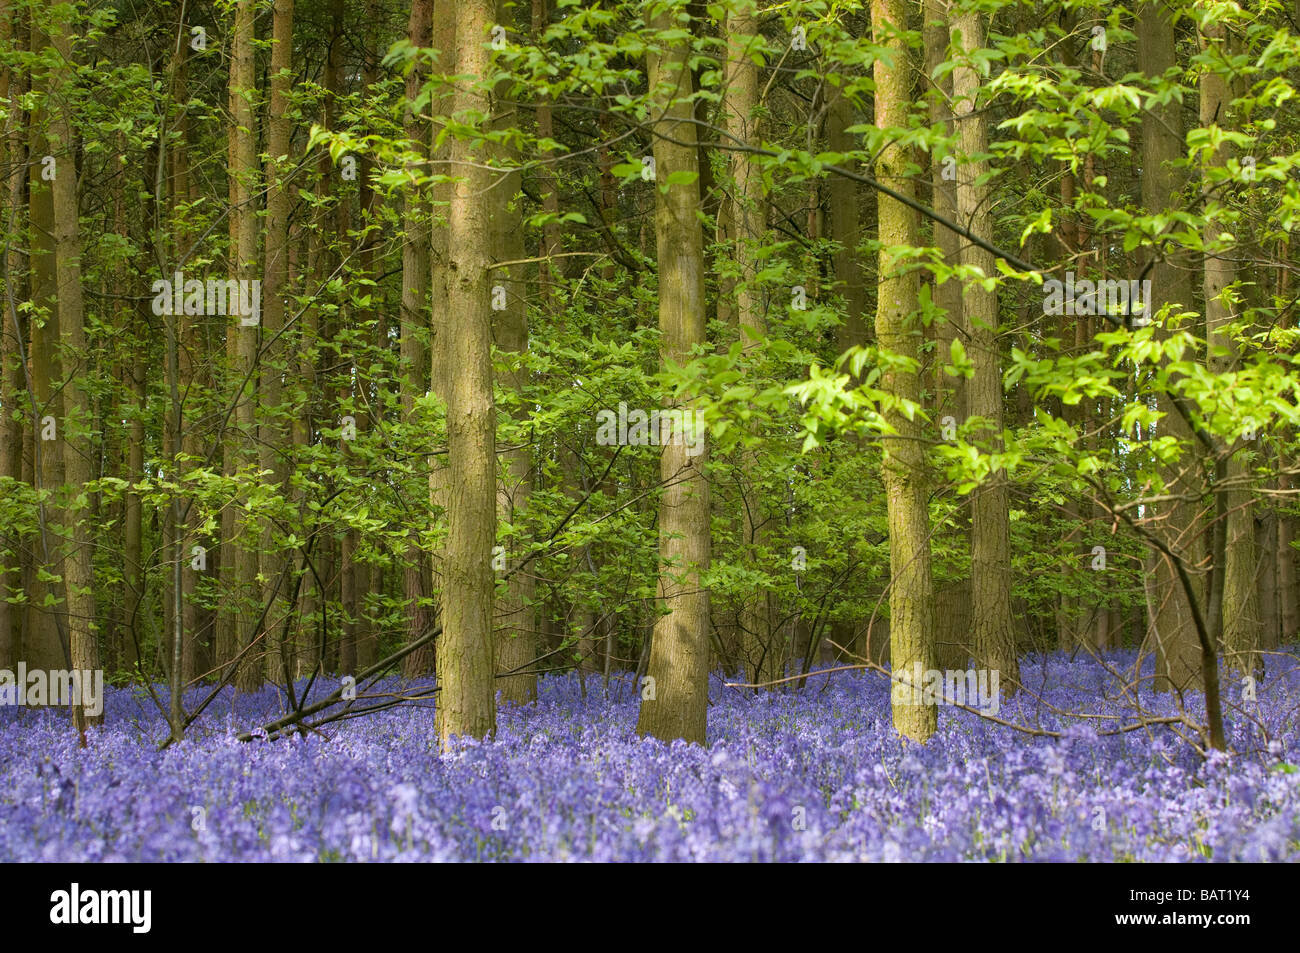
(816, 774)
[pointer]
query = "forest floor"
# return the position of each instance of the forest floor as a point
(814, 774)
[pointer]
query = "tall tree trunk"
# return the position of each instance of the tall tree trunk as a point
(515, 636)
(414, 366)
(677, 705)
(994, 636)
(911, 591)
(1067, 605)
(368, 575)
(77, 439)
(275, 280)
(1240, 605)
(306, 638)
(467, 698)
(762, 650)
(240, 532)
(46, 646)
(187, 372)
(440, 318)
(1177, 647)
(172, 183)
(133, 528)
(13, 158)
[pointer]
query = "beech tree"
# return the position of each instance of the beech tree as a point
(465, 655)
(676, 702)
(911, 594)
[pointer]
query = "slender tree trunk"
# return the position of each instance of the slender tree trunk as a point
(172, 183)
(1266, 536)
(13, 157)
(677, 705)
(414, 366)
(762, 651)
(306, 638)
(911, 592)
(515, 636)
(240, 531)
(440, 318)
(1240, 596)
(467, 698)
(272, 440)
(1067, 605)
(77, 436)
(368, 575)
(132, 530)
(45, 647)
(994, 636)
(188, 372)
(321, 602)
(1177, 647)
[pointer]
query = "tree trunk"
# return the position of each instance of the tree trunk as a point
(911, 593)
(846, 230)
(1240, 596)
(1266, 536)
(1288, 596)
(440, 318)
(272, 442)
(369, 576)
(994, 636)
(414, 365)
(240, 532)
(13, 158)
(467, 698)
(77, 436)
(189, 370)
(761, 649)
(45, 647)
(1177, 647)
(515, 638)
(677, 706)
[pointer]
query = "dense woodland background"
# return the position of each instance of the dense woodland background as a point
(836, 258)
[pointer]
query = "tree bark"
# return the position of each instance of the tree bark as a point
(467, 700)
(762, 650)
(273, 445)
(679, 651)
(440, 318)
(77, 438)
(1177, 647)
(515, 637)
(994, 636)
(45, 647)
(414, 367)
(1240, 607)
(13, 158)
(240, 532)
(911, 592)
(1288, 594)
